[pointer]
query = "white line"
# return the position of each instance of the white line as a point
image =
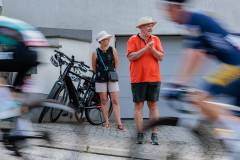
(224, 105)
(58, 106)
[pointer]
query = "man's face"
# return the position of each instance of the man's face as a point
(146, 29)
(173, 11)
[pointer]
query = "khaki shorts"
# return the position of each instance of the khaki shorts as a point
(110, 86)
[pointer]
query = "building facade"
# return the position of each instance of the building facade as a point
(118, 17)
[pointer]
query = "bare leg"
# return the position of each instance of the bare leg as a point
(116, 108)
(153, 113)
(103, 97)
(138, 116)
(211, 111)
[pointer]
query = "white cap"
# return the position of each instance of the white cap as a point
(103, 35)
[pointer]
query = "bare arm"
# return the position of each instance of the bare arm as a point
(193, 61)
(115, 57)
(157, 54)
(136, 55)
(94, 61)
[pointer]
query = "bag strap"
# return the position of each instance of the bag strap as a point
(100, 57)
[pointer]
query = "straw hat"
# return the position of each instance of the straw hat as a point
(178, 2)
(145, 20)
(103, 35)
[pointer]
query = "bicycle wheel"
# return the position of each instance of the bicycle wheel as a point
(79, 111)
(94, 113)
(42, 115)
(52, 94)
(62, 97)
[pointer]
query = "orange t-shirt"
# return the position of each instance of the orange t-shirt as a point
(146, 68)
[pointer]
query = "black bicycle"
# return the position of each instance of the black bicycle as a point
(75, 89)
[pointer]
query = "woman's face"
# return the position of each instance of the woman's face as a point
(105, 42)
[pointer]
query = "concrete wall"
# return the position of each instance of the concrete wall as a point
(116, 16)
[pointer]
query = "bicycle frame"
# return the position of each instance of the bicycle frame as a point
(81, 97)
(65, 80)
(90, 87)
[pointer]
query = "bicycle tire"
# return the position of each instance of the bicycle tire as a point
(52, 94)
(42, 114)
(56, 113)
(79, 112)
(94, 115)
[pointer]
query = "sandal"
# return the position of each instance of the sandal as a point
(106, 125)
(120, 127)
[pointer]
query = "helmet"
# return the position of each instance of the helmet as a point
(54, 60)
(20, 31)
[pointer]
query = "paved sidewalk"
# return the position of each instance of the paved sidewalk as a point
(175, 142)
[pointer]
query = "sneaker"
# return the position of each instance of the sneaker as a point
(154, 139)
(140, 138)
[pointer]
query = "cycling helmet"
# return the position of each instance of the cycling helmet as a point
(13, 32)
(54, 60)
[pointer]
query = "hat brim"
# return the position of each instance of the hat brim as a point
(174, 3)
(139, 25)
(104, 37)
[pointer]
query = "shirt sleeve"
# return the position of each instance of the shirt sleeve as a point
(131, 47)
(158, 45)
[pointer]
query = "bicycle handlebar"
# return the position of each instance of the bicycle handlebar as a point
(63, 55)
(71, 60)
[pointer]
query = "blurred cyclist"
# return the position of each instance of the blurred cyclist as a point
(18, 43)
(18, 53)
(207, 38)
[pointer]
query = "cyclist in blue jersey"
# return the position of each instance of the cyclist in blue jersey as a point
(206, 37)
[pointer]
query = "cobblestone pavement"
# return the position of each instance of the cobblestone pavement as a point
(78, 141)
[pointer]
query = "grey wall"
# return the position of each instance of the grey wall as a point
(116, 16)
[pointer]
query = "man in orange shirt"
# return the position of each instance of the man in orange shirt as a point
(144, 51)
